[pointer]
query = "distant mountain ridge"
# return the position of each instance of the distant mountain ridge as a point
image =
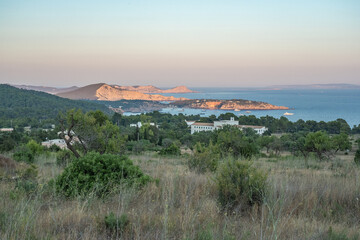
(51, 90)
(315, 86)
(105, 92)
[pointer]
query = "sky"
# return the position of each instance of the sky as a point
(166, 43)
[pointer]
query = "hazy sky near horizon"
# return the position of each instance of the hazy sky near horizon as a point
(209, 43)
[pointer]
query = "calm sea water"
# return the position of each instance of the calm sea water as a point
(319, 105)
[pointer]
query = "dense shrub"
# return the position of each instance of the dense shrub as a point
(357, 157)
(114, 223)
(23, 154)
(204, 158)
(99, 174)
(26, 153)
(173, 149)
(35, 147)
(239, 182)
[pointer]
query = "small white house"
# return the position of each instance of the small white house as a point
(258, 129)
(6, 129)
(139, 124)
(58, 142)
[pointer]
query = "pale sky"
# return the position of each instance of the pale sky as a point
(210, 43)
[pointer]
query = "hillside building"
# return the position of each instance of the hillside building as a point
(206, 127)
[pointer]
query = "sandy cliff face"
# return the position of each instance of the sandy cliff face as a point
(109, 93)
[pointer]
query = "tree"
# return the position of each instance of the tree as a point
(91, 131)
(319, 143)
(341, 142)
(276, 146)
(232, 141)
(265, 142)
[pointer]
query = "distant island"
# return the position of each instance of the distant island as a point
(234, 104)
(314, 86)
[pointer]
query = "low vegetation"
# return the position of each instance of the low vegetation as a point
(148, 182)
(99, 174)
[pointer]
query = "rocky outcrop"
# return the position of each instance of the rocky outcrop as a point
(227, 104)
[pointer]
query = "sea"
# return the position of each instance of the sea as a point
(307, 104)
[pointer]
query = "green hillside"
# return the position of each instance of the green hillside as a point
(27, 107)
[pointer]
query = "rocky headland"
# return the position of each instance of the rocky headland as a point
(234, 104)
(105, 92)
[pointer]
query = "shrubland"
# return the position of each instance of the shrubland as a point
(163, 183)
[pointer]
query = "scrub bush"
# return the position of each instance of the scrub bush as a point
(114, 223)
(173, 149)
(99, 174)
(204, 158)
(240, 182)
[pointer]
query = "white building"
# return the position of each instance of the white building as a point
(139, 124)
(58, 142)
(220, 124)
(258, 129)
(204, 127)
(6, 129)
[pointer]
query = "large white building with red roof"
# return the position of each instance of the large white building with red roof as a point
(209, 127)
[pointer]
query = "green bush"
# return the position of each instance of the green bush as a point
(173, 149)
(114, 223)
(26, 153)
(35, 147)
(204, 158)
(239, 182)
(99, 174)
(23, 154)
(357, 157)
(64, 157)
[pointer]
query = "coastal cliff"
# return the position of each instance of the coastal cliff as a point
(234, 104)
(107, 92)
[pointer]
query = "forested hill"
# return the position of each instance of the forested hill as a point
(28, 104)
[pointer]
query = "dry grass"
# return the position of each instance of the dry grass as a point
(303, 204)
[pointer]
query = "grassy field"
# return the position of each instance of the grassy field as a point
(321, 201)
